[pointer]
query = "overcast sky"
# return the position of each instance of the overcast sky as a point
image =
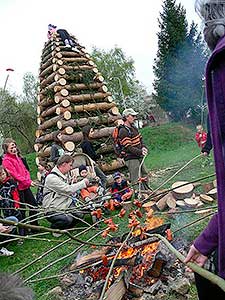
(129, 24)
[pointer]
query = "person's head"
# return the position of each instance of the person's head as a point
(83, 171)
(129, 115)
(117, 177)
(199, 128)
(65, 163)
(213, 14)
(43, 167)
(9, 146)
(13, 288)
(3, 174)
(87, 132)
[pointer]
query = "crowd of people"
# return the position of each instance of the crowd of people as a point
(61, 192)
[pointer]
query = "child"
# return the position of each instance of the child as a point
(120, 190)
(44, 169)
(9, 195)
(91, 191)
(200, 136)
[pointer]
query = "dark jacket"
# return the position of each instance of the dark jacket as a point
(131, 141)
(10, 199)
(208, 145)
(215, 78)
(88, 148)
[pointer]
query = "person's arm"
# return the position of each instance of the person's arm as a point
(205, 243)
(15, 174)
(208, 145)
(56, 184)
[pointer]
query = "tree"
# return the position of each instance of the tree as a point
(119, 73)
(180, 62)
(18, 114)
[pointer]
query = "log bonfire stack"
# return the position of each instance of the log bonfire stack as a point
(73, 94)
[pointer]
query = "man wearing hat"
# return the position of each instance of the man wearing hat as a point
(135, 150)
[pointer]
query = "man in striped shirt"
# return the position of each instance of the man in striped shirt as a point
(132, 144)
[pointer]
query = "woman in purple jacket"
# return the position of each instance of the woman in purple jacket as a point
(213, 237)
(14, 164)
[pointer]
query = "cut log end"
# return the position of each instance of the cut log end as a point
(69, 146)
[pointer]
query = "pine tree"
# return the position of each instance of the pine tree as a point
(180, 62)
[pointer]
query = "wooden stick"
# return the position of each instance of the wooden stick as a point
(62, 258)
(201, 271)
(112, 264)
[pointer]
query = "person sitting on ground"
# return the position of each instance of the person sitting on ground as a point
(200, 136)
(57, 148)
(44, 169)
(94, 189)
(14, 165)
(120, 189)
(6, 229)
(9, 196)
(68, 41)
(12, 287)
(58, 194)
(88, 148)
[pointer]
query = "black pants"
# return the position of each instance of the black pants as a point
(60, 221)
(207, 290)
(27, 197)
(64, 35)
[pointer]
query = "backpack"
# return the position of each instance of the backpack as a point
(118, 148)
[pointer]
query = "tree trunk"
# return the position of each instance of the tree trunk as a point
(103, 106)
(86, 97)
(50, 123)
(81, 86)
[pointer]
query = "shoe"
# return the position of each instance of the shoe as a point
(55, 234)
(68, 46)
(5, 252)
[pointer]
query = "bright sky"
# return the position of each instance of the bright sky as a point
(129, 24)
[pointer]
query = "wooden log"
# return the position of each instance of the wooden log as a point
(50, 111)
(45, 81)
(180, 203)
(45, 138)
(76, 60)
(183, 192)
(47, 70)
(191, 202)
(40, 120)
(37, 147)
(171, 202)
(67, 115)
(114, 165)
(162, 203)
(50, 123)
(213, 193)
(72, 54)
(88, 97)
(214, 183)
(103, 106)
(81, 86)
(148, 205)
(38, 133)
(97, 134)
(114, 111)
(69, 146)
(103, 119)
(116, 291)
(206, 198)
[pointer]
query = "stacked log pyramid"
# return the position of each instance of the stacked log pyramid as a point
(73, 94)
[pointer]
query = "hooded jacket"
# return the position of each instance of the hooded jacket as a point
(57, 194)
(16, 168)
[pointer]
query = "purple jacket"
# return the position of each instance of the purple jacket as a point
(214, 234)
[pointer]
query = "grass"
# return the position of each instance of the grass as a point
(171, 146)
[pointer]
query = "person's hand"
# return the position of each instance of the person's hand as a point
(205, 153)
(33, 183)
(144, 151)
(196, 257)
(4, 229)
(86, 181)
